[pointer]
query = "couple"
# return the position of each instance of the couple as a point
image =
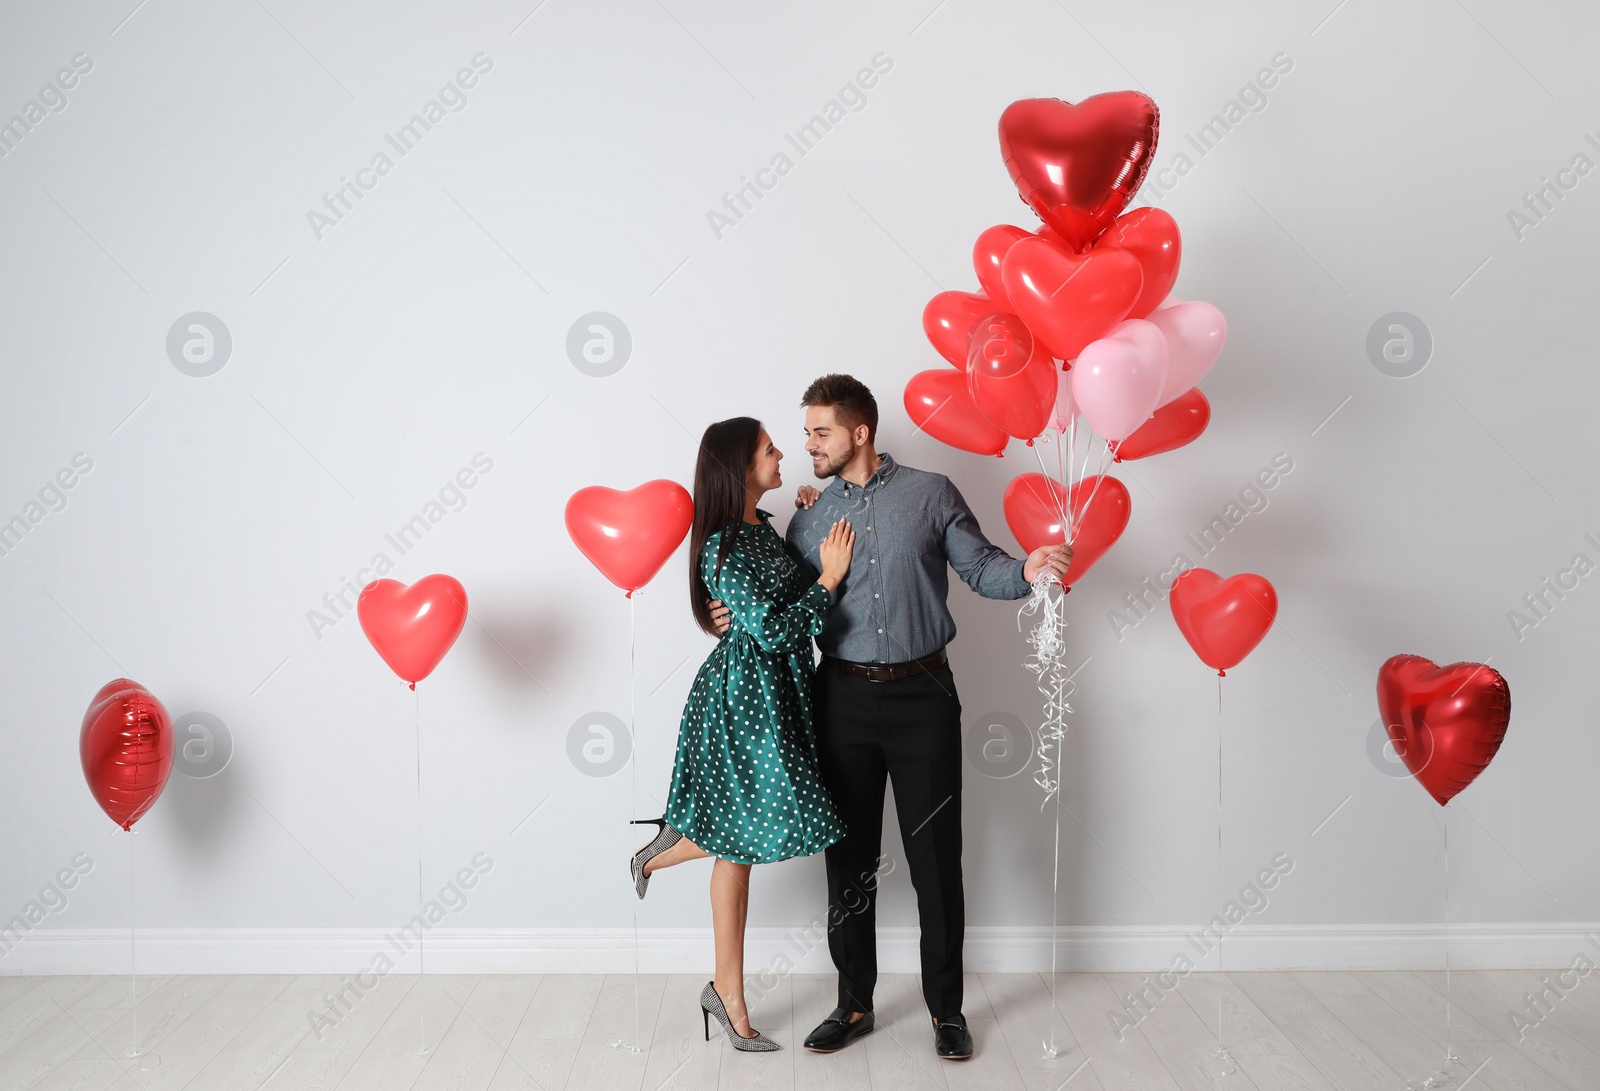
(778, 757)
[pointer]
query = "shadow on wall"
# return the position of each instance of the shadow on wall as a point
(524, 649)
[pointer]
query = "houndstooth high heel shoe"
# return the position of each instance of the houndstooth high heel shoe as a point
(665, 838)
(711, 1004)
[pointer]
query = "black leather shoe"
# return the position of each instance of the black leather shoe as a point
(951, 1039)
(837, 1031)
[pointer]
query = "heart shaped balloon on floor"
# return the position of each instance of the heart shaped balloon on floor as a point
(948, 320)
(939, 403)
(1099, 508)
(126, 747)
(1077, 166)
(1067, 299)
(1174, 425)
(411, 628)
(629, 535)
(1222, 619)
(1446, 723)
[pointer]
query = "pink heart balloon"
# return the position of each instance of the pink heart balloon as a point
(1117, 380)
(1195, 333)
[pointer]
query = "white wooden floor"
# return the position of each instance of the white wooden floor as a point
(1300, 1031)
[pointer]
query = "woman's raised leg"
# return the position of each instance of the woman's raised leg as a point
(730, 905)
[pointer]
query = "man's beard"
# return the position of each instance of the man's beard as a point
(832, 467)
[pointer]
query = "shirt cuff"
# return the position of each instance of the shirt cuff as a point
(1023, 586)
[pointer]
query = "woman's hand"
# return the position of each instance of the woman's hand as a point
(835, 553)
(805, 496)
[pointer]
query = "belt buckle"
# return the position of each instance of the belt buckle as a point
(873, 670)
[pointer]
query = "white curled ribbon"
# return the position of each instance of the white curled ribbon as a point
(1048, 639)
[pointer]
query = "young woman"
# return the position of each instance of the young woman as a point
(745, 787)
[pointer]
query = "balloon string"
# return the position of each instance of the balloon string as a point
(1220, 937)
(633, 735)
(1444, 820)
(133, 961)
(422, 907)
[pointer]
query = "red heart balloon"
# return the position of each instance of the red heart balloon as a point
(412, 627)
(1078, 166)
(1151, 236)
(1446, 723)
(1174, 425)
(1035, 504)
(629, 535)
(1222, 619)
(1011, 379)
(948, 320)
(1069, 299)
(987, 254)
(937, 402)
(126, 748)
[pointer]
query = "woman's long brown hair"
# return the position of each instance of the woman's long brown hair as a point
(720, 474)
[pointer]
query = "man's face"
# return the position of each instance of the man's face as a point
(828, 442)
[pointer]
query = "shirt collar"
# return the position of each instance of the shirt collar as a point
(885, 470)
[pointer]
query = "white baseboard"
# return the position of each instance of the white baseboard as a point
(1102, 948)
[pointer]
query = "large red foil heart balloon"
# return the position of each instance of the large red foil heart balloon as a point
(1222, 619)
(629, 535)
(1078, 166)
(1151, 236)
(126, 749)
(1446, 723)
(1069, 299)
(1175, 424)
(949, 318)
(937, 402)
(1035, 505)
(412, 627)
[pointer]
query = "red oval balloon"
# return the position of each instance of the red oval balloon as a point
(948, 320)
(1069, 299)
(1151, 236)
(629, 535)
(1222, 619)
(1446, 723)
(412, 628)
(1034, 505)
(126, 749)
(1077, 166)
(938, 403)
(987, 254)
(1174, 425)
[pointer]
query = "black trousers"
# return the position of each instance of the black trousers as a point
(907, 732)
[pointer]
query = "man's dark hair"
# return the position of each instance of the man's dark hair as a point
(849, 398)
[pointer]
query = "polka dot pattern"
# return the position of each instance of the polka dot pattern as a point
(746, 785)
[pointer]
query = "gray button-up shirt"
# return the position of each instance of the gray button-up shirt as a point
(891, 606)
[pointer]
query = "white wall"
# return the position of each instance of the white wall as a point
(371, 364)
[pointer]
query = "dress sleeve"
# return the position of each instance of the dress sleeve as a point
(775, 628)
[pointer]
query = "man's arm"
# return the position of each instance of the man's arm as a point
(984, 566)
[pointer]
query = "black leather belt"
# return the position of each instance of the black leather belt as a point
(887, 672)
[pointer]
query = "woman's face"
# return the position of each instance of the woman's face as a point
(764, 474)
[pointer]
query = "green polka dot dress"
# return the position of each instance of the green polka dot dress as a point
(746, 786)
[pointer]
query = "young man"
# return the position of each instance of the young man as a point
(886, 704)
